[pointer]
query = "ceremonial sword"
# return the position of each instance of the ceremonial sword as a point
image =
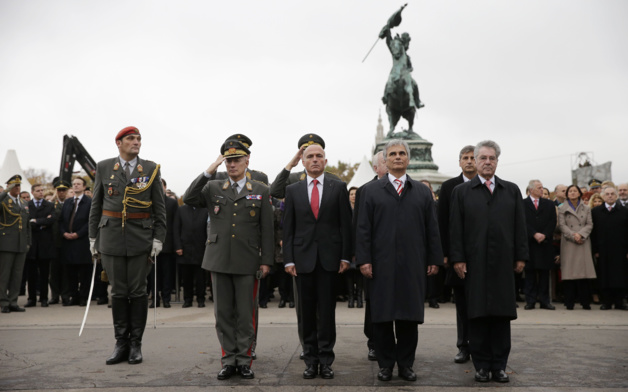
(91, 290)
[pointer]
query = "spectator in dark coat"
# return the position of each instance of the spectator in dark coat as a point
(189, 238)
(76, 259)
(41, 217)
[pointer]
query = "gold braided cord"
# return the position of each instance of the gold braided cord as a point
(129, 201)
(18, 218)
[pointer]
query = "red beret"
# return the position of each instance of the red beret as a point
(127, 131)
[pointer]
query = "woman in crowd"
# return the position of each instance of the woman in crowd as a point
(576, 261)
(595, 200)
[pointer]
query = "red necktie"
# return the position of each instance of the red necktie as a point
(399, 186)
(610, 209)
(536, 204)
(488, 185)
(314, 198)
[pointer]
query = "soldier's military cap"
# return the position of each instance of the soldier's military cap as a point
(60, 184)
(127, 131)
(594, 184)
(309, 139)
(242, 139)
(16, 179)
(234, 149)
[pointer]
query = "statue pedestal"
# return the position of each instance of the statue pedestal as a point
(422, 166)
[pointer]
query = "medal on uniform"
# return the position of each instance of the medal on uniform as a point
(252, 212)
(112, 177)
(116, 166)
(140, 168)
(110, 191)
(216, 210)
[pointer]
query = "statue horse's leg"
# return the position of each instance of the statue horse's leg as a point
(409, 116)
(393, 119)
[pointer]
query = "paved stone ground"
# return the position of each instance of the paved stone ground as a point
(552, 351)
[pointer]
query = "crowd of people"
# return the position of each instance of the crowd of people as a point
(389, 247)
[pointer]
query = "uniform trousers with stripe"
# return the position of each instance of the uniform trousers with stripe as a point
(235, 308)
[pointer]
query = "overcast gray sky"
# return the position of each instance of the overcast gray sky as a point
(545, 79)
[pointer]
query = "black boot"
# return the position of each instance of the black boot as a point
(120, 310)
(350, 300)
(359, 297)
(137, 317)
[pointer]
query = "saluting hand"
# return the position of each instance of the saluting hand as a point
(295, 159)
(214, 166)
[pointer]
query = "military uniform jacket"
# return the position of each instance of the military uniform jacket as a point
(15, 236)
(285, 178)
(240, 225)
(136, 237)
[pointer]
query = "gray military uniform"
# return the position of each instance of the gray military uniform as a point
(239, 241)
(15, 238)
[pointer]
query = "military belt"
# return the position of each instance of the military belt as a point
(129, 215)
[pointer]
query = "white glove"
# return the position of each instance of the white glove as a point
(92, 246)
(157, 246)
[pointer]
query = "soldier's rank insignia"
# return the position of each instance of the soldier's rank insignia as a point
(225, 185)
(116, 166)
(216, 210)
(302, 177)
(140, 168)
(10, 201)
(110, 191)
(249, 186)
(252, 212)
(112, 177)
(248, 175)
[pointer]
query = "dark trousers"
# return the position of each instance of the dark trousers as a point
(613, 296)
(193, 282)
(435, 285)
(537, 286)
(489, 342)
(368, 324)
(284, 283)
(318, 314)
(37, 277)
(400, 351)
(78, 278)
(56, 277)
(577, 288)
(165, 273)
(462, 321)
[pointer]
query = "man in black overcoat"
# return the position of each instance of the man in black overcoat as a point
(76, 256)
(190, 237)
(610, 246)
(380, 169)
(467, 164)
(399, 212)
(540, 224)
(487, 241)
(317, 246)
(43, 249)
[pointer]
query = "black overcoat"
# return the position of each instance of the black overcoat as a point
(610, 239)
(399, 237)
(488, 232)
(42, 231)
(76, 251)
(171, 209)
(444, 205)
(190, 234)
(541, 220)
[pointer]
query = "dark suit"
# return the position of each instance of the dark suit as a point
(166, 268)
(406, 230)
(190, 236)
(488, 233)
(76, 257)
(42, 248)
(452, 279)
(541, 220)
(316, 247)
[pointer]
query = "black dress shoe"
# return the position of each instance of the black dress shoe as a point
(187, 304)
(83, 302)
(15, 308)
(371, 355)
(166, 304)
(569, 307)
(282, 303)
(253, 356)
(201, 303)
(548, 307)
(463, 356)
(605, 307)
(434, 304)
(226, 372)
(326, 372)
(120, 353)
(30, 303)
(586, 307)
(53, 301)
(246, 372)
(482, 375)
(302, 355)
(500, 376)
(291, 304)
(264, 306)
(385, 374)
(103, 301)
(529, 306)
(621, 307)
(44, 303)
(310, 371)
(5, 309)
(135, 353)
(74, 301)
(407, 374)
(152, 305)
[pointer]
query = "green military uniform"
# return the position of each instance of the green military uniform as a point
(15, 239)
(241, 225)
(126, 215)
